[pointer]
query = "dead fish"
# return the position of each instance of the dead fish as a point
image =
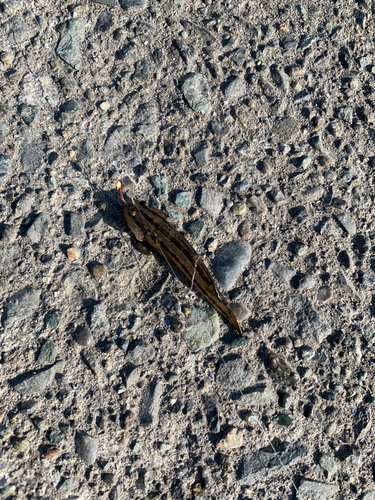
(149, 224)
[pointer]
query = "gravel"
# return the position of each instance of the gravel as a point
(252, 129)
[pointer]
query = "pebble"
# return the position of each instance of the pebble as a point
(187, 52)
(75, 225)
(234, 88)
(47, 354)
(99, 271)
(299, 214)
(258, 205)
(276, 196)
(28, 113)
(230, 262)
(282, 272)
(234, 373)
(131, 5)
(159, 182)
(238, 208)
(196, 228)
(73, 253)
(36, 382)
(202, 153)
(211, 201)
(86, 447)
(39, 228)
(8, 233)
(347, 223)
(4, 166)
(240, 311)
(324, 293)
(232, 439)
(310, 325)
(140, 353)
(31, 155)
(202, 328)
(150, 405)
(244, 229)
(83, 336)
(285, 129)
(328, 464)
(68, 47)
(19, 306)
(183, 199)
(97, 319)
(315, 489)
(196, 93)
(260, 464)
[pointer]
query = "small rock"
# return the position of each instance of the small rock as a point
(47, 354)
(68, 47)
(238, 208)
(196, 228)
(75, 225)
(83, 336)
(244, 229)
(202, 328)
(159, 182)
(211, 201)
(150, 405)
(234, 373)
(285, 129)
(201, 154)
(99, 271)
(140, 353)
(130, 5)
(196, 93)
(258, 205)
(307, 283)
(235, 88)
(183, 199)
(28, 113)
(284, 273)
(324, 293)
(240, 311)
(232, 439)
(312, 490)
(328, 464)
(35, 383)
(53, 319)
(311, 327)
(230, 262)
(86, 447)
(73, 253)
(347, 223)
(21, 305)
(20, 443)
(8, 233)
(38, 228)
(276, 196)
(98, 319)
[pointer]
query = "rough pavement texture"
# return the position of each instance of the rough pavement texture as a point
(248, 124)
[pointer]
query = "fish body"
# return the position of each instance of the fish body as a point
(150, 225)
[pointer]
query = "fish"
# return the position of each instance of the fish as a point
(150, 225)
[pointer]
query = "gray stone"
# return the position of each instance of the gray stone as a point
(31, 155)
(4, 166)
(234, 374)
(131, 5)
(280, 79)
(311, 327)
(83, 336)
(259, 464)
(159, 182)
(36, 382)
(196, 93)
(116, 146)
(70, 483)
(21, 305)
(259, 397)
(71, 107)
(187, 52)
(150, 405)
(284, 273)
(362, 423)
(324, 293)
(314, 490)
(98, 319)
(39, 228)
(306, 41)
(53, 318)
(86, 447)
(276, 196)
(75, 225)
(211, 201)
(183, 199)
(140, 353)
(28, 113)
(328, 464)
(68, 47)
(47, 354)
(196, 228)
(220, 128)
(235, 88)
(8, 233)
(202, 328)
(285, 129)
(230, 262)
(201, 154)
(347, 223)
